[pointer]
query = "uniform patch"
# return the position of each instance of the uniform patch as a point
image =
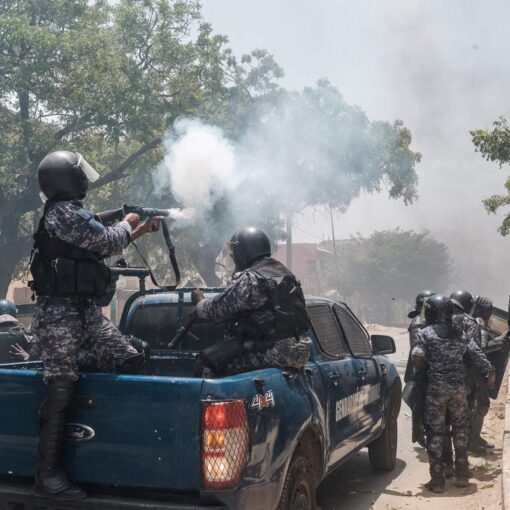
(261, 401)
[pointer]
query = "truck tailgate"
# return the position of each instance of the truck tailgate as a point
(130, 431)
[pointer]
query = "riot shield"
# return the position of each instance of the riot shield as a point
(408, 394)
(8, 336)
(498, 324)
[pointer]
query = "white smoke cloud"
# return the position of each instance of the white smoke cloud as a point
(199, 166)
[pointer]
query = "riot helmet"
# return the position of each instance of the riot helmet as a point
(65, 175)
(247, 246)
(463, 299)
(482, 308)
(438, 310)
(8, 308)
(420, 299)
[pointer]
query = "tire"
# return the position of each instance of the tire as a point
(383, 451)
(298, 489)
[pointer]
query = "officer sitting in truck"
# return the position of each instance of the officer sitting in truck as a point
(12, 333)
(263, 310)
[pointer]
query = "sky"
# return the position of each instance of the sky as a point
(441, 67)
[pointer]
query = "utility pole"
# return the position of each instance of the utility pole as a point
(289, 240)
(337, 279)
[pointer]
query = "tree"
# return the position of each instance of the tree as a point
(495, 146)
(107, 80)
(389, 265)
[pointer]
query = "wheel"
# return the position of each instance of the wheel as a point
(383, 451)
(298, 490)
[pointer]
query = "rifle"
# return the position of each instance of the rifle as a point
(184, 330)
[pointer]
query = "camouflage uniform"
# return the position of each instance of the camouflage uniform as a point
(68, 325)
(478, 400)
(443, 347)
(246, 293)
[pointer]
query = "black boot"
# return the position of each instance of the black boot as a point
(50, 479)
(462, 473)
(475, 441)
(436, 468)
(485, 444)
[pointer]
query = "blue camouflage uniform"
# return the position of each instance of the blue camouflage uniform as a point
(443, 347)
(67, 326)
(246, 293)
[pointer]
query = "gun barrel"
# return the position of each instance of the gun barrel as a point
(150, 212)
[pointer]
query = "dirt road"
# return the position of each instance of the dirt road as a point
(354, 486)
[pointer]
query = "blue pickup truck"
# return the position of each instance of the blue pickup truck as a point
(168, 439)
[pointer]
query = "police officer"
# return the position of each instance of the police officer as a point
(477, 391)
(417, 377)
(263, 310)
(488, 342)
(71, 280)
(441, 346)
(12, 332)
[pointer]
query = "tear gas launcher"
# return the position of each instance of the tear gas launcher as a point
(108, 218)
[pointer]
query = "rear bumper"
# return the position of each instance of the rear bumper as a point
(18, 496)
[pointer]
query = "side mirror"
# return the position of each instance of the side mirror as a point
(383, 344)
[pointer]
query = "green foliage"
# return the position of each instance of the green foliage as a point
(495, 146)
(332, 151)
(388, 265)
(107, 79)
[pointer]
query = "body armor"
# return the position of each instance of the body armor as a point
(283, 316)
(64, 270)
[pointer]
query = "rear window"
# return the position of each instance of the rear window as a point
(357, 337)
(326, 329)
(157, 325)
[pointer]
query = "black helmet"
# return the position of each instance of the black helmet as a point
(463, 299)
(420, 299)
(438, 309)
(249, 245)
(482, 308)
(65, 175)
(8, 307)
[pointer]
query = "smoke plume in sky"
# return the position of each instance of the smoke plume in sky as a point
(441, 68)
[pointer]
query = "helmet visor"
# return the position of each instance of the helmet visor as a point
(87, 168)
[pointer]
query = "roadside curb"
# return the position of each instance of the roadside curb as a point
(505, 482)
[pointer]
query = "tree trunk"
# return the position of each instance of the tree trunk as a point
(12, 250)
(289, 241)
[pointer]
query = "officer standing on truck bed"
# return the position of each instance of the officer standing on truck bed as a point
(263, 310)
(72, 282)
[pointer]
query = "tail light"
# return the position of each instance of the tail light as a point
(224, 444)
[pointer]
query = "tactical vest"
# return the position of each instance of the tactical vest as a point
(283, 316)
(64, 270)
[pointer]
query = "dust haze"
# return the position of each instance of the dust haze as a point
(438, 66)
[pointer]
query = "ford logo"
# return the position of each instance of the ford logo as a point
(78, 432)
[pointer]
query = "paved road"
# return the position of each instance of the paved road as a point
(355, 486)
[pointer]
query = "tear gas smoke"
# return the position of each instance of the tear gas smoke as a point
(198, 166)
(439, 66)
